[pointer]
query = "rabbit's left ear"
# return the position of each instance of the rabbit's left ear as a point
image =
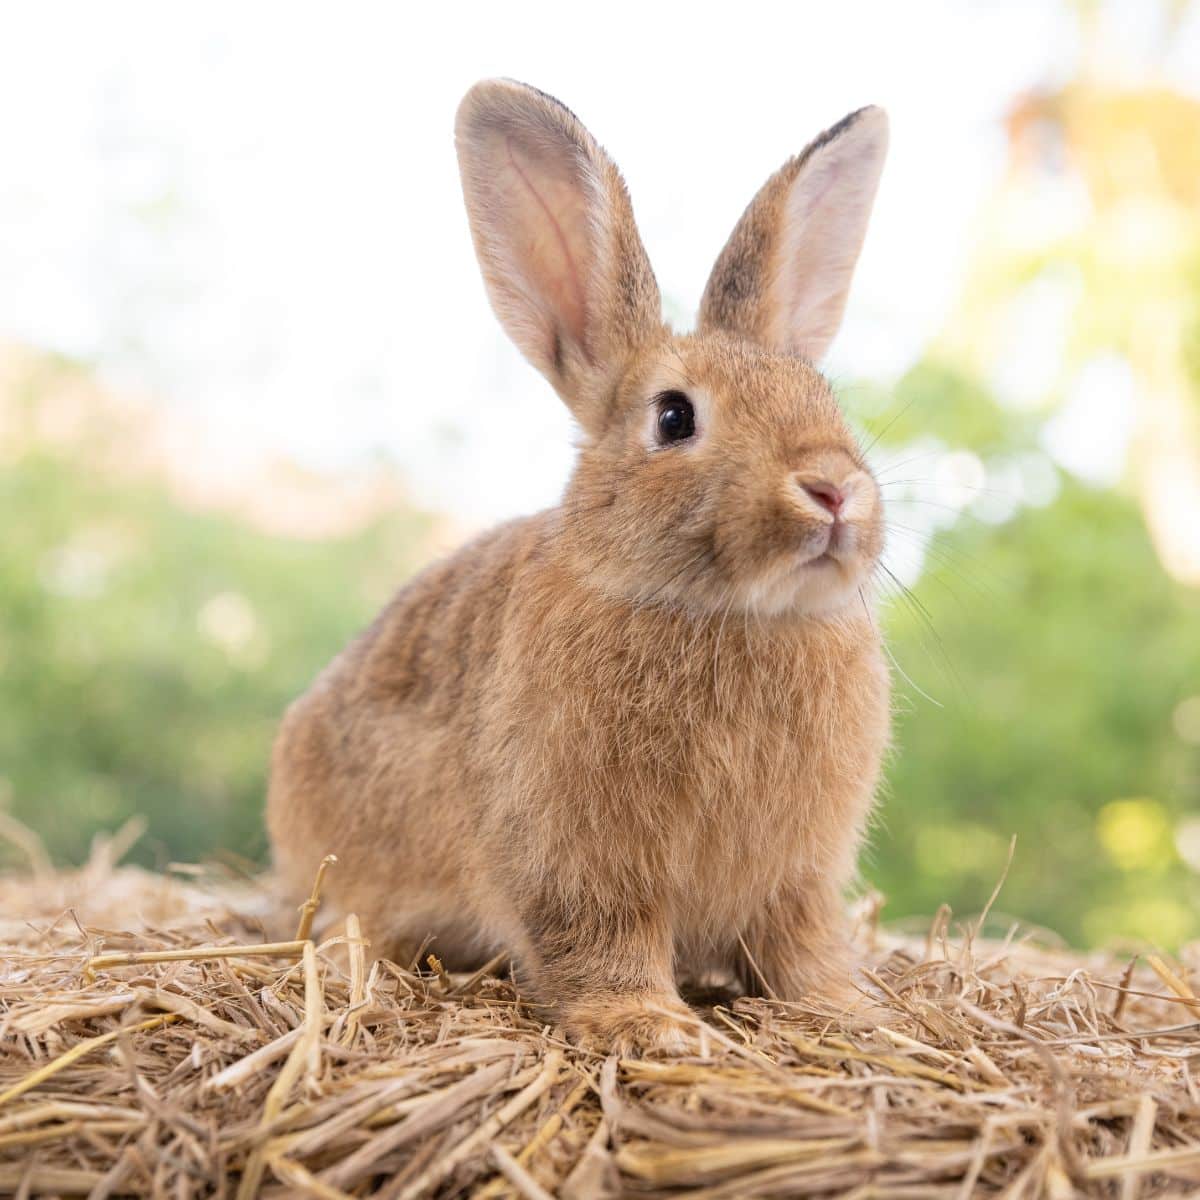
(554, 233)
(784, 275)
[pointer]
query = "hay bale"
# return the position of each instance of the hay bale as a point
(160, 1037)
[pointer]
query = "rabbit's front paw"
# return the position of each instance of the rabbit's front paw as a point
(629, 1026)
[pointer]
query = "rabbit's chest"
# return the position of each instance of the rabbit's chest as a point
(777, 776)
(713, 771)
(757, 781)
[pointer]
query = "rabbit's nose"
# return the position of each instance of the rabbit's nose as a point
(827, 495)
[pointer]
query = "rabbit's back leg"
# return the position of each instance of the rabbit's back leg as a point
(798, 945)
(377, 798)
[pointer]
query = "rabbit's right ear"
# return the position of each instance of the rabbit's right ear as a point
(554, 233)
(784, 275)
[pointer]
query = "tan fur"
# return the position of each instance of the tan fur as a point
(626, 735)
(802, 226)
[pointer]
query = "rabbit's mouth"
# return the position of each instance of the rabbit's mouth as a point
(827, 562)
(820, 579)
(824, 571)
(838, 544)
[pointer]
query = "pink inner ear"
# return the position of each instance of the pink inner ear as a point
(823, 226)
(552, 239)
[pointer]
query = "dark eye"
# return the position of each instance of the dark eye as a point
(676, 417)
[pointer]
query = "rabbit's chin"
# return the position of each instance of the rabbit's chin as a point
(810, 585)
(819, 585)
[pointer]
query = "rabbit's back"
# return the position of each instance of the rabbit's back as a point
(375, 762)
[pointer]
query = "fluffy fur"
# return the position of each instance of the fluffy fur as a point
(627, 737)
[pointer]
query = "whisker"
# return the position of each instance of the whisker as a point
(875, 440)
(942, 565)
(907, 590)
(918, 608)
(866, 608)
(908, 678)
(904, 462)
(944, 556)
(950, 508)
(966, 487)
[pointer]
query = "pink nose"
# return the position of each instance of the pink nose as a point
(826, 495)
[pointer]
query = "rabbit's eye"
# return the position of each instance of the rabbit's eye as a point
(676, 417)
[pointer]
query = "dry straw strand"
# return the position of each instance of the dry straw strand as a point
(308, 910)
(1177, 985)
(281, 1068)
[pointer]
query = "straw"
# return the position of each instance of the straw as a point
(165, 1035)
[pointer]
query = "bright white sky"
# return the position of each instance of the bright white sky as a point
(253, 210)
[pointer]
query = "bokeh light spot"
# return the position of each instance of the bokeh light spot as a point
(1135, 833)
(1186, 720)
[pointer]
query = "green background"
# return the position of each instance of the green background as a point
(1047, 659)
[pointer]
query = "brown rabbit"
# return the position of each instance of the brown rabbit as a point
(627, 737)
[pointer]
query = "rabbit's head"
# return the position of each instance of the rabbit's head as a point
(716, 470)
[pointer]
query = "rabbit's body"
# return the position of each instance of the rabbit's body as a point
(581, 709)
(636, 736)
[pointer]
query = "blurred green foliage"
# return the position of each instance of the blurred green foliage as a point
(1060, 654)
(1047, 666)
(148, 651)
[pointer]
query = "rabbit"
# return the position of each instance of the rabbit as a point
(635, 738)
